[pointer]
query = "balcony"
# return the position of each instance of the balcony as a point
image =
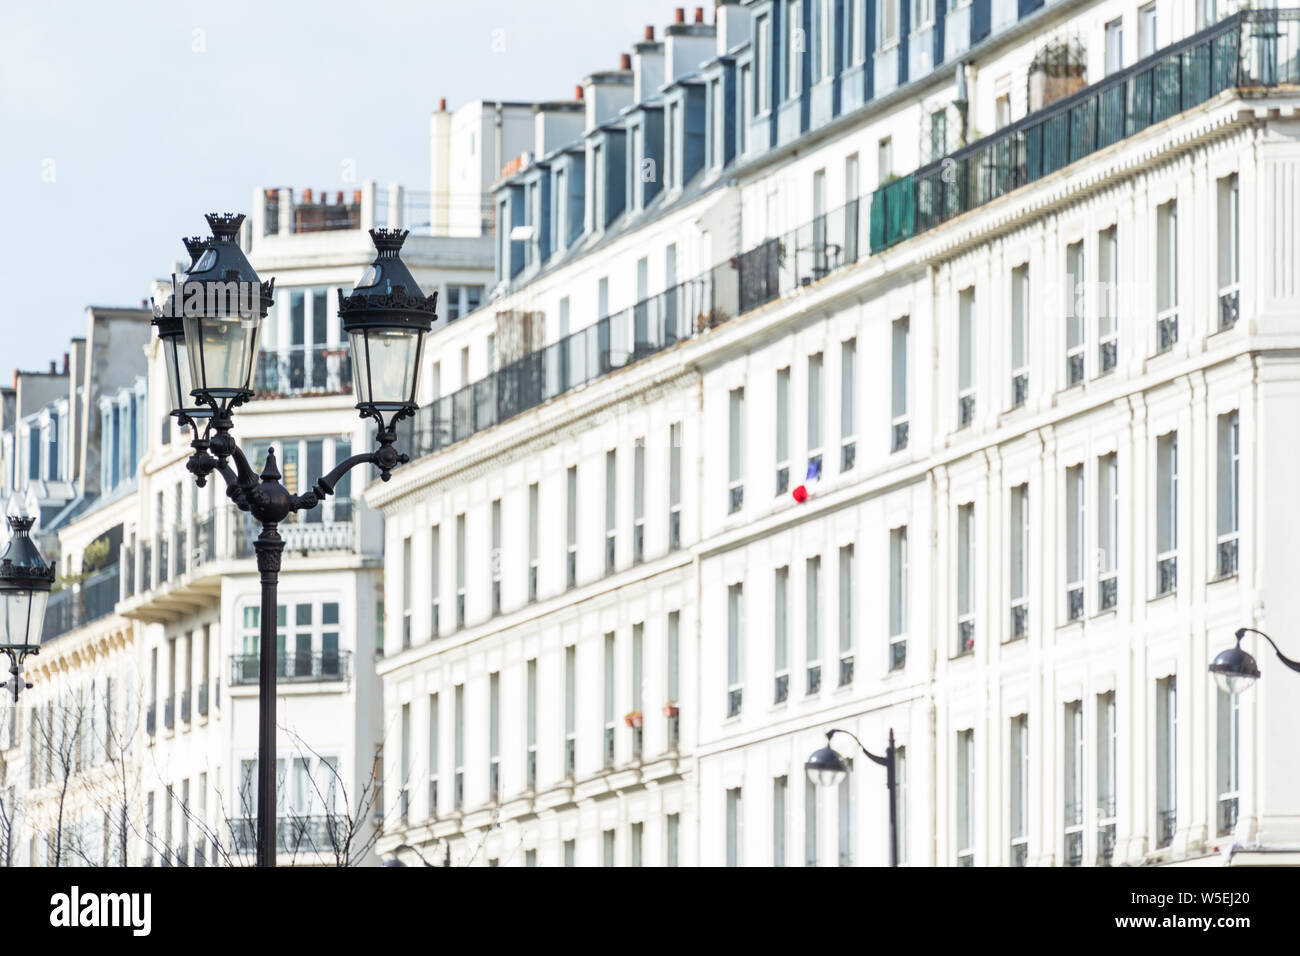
(87, 601)
(293, 667)
(151, 719)
(1019, 388)
(1020, 851)
(1252, 48)
(846, 671)
(300, 370)
(814, 679)
(965, 410)
(293, 834)
(1105, 844)
(1074, 372)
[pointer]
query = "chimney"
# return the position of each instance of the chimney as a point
(356, 197)
(699, 14)
(53, 367)
(442, 104)
(306, 196)
(577, 91)
(65, 354)
(650, 33)
(625, 61)
(679, 16)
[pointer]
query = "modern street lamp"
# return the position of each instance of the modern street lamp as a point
(826, 768)
(220, 305)
(25, 582)
(1236, 671)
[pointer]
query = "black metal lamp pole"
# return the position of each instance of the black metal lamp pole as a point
(827, 768)
(210, 346)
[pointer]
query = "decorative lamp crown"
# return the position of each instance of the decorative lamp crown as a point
(225, 225)
(388, 241)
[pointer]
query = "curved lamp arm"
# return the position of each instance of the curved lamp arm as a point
(1294, 665)
(883, 761)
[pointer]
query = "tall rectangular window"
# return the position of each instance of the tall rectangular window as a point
(458, 791)
(1018, 786)
(1075, 535)
(638, 501)
(1075, 314)
(607, 847)
(672, 827)
(1228, 752)
(494, 557)
(780, 796)
(1229, 493)
(965, 802)
(898, 598)
(782, 431)
(1107, 300)
(736, 450)
(460, 570)
(1166, 760)
(638, 683)
(965, 357)
(1107, 763)
(1107, 531)
(846, 615)
(406, 591)
(1167, 513)
(886, 23)
(794, 49)
(1019, 335)
(673, 679)
(611, 509)
(1166, 276)
(762, 73)
(405, 767)
(735, 639)
(571, 527)
(898, 384)
(734, 818)
(809, 823)
(1229, 221)
(570, 711)
(1115, 46)
(812, 601)
(638, 844)
(534, 539)
(434, 762)
(607, 751)
(494, 736)
(1019, 562)
(848, 424)
(674, 486)
(781, 634)
(1072, 785)
(966, 578)
(814, 414)
(570, 852)
(530, 758)
(1147, 30)
(435, 577)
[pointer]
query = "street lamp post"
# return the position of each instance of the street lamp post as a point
(826, 768)
(1236, 670)
(25, 582)
(208, 327)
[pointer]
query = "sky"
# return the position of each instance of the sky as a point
(122, 123)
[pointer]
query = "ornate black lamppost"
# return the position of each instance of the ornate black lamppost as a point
(25, 582)
(826, 768)
(220, 304)
(1236, 670)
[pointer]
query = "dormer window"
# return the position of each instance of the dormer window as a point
(794, 43)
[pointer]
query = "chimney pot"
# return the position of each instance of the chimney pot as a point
(65, 355)
(442, 104)
(625, 61)
(356, 196)
(577, 92)
(650, 32)
(306, 195)
(53, 366)
(679, 15)
(699, 14)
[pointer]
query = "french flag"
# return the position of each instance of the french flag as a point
(809, 481)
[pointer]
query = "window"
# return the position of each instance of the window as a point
(530, 759)
(844, 801)
(494, 558)
(1075, 281)
(1206, 13)
(611, 509)
(745, 94)
(781, 634)
(1107, 531)
(887, 23)
(1107, 761)
(460, 570)
(638, 684)
(570, 710)
(433, 755)
(406, 763)
(823, 50)
(1229, 497)
(794, 48)
(900, 801)
(670, 148)
(1167, 513)
(898, 384)
(602, 297)
(607, 848)
(534, 518)
(435, 576)
(1229, 252)
(965, 357)
(1019, 562)
(965, 578)
(855, 31)
(736, 447)
(458, 792)
(898, 598)
(1108, 299)
(848, 376)
(733, 826)
(735, 637)
(846, 615)
(780, 795)
(494, 737)
(1019, 335)
(406, 592)
(1228, 751)
(1018, 786)
(673, 826)
(674, 718)
(638, 501)
(1147, 30)
(814, 411)
(1075, 562)
(1073, 783)
(762, 73)
(607, 751)
(938, 134)
(1114, 46)
(570, 852)
(812, 599)
(1002, 111)
(571, 528)
(1166, 760)
(965, 774)
(674, 486)
(809, 823)
(782, 431)
(462, 300)
(1166, 276)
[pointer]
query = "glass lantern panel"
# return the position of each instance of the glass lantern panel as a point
(225, 353)
(389, 360)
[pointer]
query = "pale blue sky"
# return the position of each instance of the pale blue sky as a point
(141, 133)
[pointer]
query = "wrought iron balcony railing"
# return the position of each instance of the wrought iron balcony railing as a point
(293, 834)
(303, 370)
(781, 689)
(1107, 591)
(1074, 602)
(1229, 307)
(897, 653)
(814, 679)
(293, 667)
(88, 600)
(1166, 574)
(1227, 554)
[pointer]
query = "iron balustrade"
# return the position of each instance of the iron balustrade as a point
(169, 713)
(1229, 307)
(151, 719)
(734, 698)
(1019, 619)
(814, 679)
(1105, 844)
(82, 603)
(897, 653)
(1074, 602)
(1166, 330)
(324, 833)
(848, 456)
(1108, 355)
(966, 636)
(898, 436)
(1255, 48)
(1074, 370)
(1019, 388)
(1108, 591)
(1020, 851)
(1166, 574)
(846, 671)
(1227, 554)
(782, 690)
(185, 705)
(293, 667)
(1166, 823)
(783, 480)
(295, 370)
(146, 568)
(1227, 816)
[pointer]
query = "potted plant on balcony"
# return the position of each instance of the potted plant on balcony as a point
(633, 719)
(1057, 70)
(670, 709)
